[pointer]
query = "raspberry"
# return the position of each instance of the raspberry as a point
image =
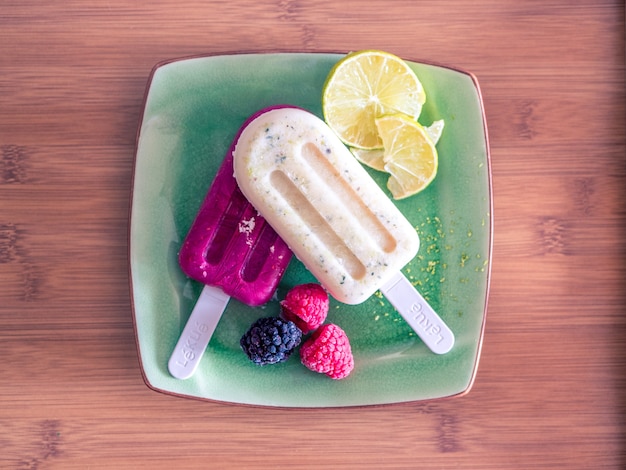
(306, 305)
(328, 351)
(270, 340)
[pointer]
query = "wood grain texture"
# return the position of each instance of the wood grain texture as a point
(550, 390)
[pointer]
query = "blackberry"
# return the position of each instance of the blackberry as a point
(270, 340)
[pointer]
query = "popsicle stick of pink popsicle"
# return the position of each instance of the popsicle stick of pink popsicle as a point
(235, 253)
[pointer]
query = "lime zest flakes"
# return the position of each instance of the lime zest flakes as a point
(464, 258)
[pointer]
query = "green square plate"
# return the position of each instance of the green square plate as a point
(193, 109)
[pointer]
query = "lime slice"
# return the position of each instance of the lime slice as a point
(365, 85)
(370, 157)
(435, 130)
(374, 158)
(410, 155)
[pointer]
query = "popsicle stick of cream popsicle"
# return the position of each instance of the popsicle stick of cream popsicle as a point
(232, 250)
(332, 214)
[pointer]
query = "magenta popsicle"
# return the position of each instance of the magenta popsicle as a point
(235, 253)
(231, 246)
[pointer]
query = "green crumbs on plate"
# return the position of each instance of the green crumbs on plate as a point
(193, 110)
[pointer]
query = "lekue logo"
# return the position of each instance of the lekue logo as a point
(429, 325)
(189, 350)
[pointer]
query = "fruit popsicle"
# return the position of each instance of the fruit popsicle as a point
(335, 218)
(232, 250)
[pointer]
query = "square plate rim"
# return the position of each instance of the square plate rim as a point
(490, 232)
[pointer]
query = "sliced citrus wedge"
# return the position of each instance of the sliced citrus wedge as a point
(435, 130)
(370, 157)
(410, 155)
(365, 85)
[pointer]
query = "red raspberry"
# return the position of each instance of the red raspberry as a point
(306, 305)
(328, 351)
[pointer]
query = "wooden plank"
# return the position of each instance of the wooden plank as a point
(551, 382)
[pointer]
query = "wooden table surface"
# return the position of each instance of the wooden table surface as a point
(550, 388)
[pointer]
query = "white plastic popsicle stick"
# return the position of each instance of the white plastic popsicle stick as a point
(197, 333)
(418, 314)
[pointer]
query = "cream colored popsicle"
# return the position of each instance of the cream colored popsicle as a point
(334, 217)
